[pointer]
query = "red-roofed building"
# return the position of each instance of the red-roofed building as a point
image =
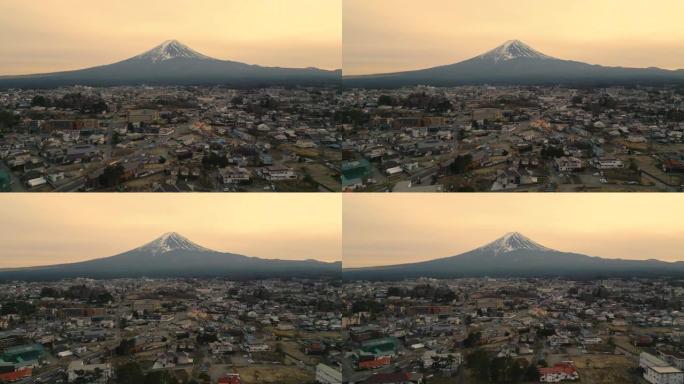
(374, 363)
(559, 372)
(16, 375)
(231, 378)
(390, 378)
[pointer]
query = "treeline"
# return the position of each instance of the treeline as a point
(92, 295)
(20, 308)
(8, 119)
(440, 294)
(353, 116)
(85, 104)
(420, 100)
(501, 369)
(133, 373)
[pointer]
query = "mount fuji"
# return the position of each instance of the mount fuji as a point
(172, 255)
(514, 255)
(516, 63)
(173, 63)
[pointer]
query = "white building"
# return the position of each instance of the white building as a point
(609, 164)
(328, 375)
(658, 371)
(234, 175)
(664, 375)
(91, 373)
(568, 164)
(279, 173)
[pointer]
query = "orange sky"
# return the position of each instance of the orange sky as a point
(41, 229)
(393, 35)
(381, 229)
(52, 35)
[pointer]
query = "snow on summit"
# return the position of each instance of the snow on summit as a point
(170, 49)
(513, 49)
(512, 241)
(170, 241)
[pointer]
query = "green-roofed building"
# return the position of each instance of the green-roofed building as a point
(5, 182)
(353, 172)
(22, 354)
(387, 346)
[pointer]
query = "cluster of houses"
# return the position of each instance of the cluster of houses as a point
(407, 326)
(82, 330)
(515, 138)
(173, 138)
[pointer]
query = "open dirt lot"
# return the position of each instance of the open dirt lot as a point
(275, 374)
(603, 368)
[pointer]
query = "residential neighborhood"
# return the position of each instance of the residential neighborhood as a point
(513, 138)
(169, 139)
(513, 330)
(170, 331)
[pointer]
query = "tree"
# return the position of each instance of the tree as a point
(356, 117)
(129, 373)
(478, 361)
(21, 308)
(279, 350)
(39, 101)
(160, 377)
(552, 152)
(385, 100)
(472, 340)
(125, 347)
(531, 373)
(112, 175)
(50, 292)
(396, 291)
(461, 134)
(461, 164)
(8, 119)
(633, 166)
(498, 369)
(444, 295)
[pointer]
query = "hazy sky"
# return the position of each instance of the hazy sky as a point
(393, 35)
(51, 35)
(41, 229)
(381, 229)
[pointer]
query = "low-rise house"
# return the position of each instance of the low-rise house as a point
(564, 371)
(234, 175)
(658, 371)
(326, 374)
(90, 373)
(275, 173)
(568, 164)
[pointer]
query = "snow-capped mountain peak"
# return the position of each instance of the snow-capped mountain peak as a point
(513, 49)
(170, 241)
(170, 49)
(512, 241)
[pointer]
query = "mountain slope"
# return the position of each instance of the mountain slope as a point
(173, 255)
(515, 63)
(516, 255)
(173, 63)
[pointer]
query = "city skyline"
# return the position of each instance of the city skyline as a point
(378, 41)
(46, 229)
(57, 36)
(405, 228)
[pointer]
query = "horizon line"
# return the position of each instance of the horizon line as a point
(489, 50)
